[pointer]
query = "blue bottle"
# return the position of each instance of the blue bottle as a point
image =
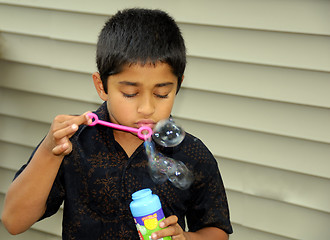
(147, 212)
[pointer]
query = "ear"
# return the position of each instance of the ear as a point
(99, 86)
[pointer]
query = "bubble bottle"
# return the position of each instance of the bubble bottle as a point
(147, 212)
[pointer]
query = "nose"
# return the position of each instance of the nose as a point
(146, 106)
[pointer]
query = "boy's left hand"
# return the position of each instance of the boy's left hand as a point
(172, 228)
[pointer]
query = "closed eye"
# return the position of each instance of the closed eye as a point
(161, 96)
(126, 95)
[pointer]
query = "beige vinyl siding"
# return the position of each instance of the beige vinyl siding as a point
(256, 91)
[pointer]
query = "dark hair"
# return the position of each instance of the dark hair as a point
(140, 36)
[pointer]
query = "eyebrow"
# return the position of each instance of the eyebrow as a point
(164, 84)
(128, 83)
(135, 84)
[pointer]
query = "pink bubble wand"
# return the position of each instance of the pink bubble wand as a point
(141, 132)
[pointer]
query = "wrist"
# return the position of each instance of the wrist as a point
(46, 151)
(187, 235)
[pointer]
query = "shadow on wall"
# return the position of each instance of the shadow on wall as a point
(1, 45)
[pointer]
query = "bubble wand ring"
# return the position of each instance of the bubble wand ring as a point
(140, 131)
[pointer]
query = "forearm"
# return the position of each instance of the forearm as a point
(209, 233)
(26, 198)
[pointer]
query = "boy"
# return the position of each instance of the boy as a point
(141, 59)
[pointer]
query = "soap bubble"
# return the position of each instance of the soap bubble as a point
(162, 168)
(180, 175)
(167, 133)
(156, 171)
(150, 149)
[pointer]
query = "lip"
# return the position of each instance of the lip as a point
(146, 123)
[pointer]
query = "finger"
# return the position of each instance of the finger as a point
(62, 121)
(65, 132)
(61, 149)
(88, 119)
(173, 231)
(82, 119)
(169, 221)
(171, 228)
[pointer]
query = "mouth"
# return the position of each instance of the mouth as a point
(146, 123)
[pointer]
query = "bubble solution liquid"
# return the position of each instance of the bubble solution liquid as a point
(147, 212)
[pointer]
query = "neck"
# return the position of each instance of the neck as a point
(128, 141)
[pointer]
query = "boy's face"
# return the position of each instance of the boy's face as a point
(141, 95)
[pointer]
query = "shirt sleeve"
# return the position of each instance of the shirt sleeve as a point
(56, 195)
(209, 207)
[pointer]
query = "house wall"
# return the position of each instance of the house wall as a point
(256, 91)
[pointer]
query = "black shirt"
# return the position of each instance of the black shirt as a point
(96, 181)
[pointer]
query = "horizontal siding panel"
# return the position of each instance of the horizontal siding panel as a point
(28, 235)
(233, 143)
(278, 217)
(48, 52)
(289, 16)
(263, 149)
(33, 107)
(241, 45)
(58, 83)
(256, 81)
(51, 225)
(242, 232)
(281, 185)
(47, 229)
(12, 129)
(51, 24)
(13, 156)
(259, 47)
(6, 177)
(247, 113)
(254, 114)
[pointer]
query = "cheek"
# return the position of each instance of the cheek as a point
(165, 109)
(121, 106)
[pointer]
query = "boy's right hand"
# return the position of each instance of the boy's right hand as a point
(63, 127)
